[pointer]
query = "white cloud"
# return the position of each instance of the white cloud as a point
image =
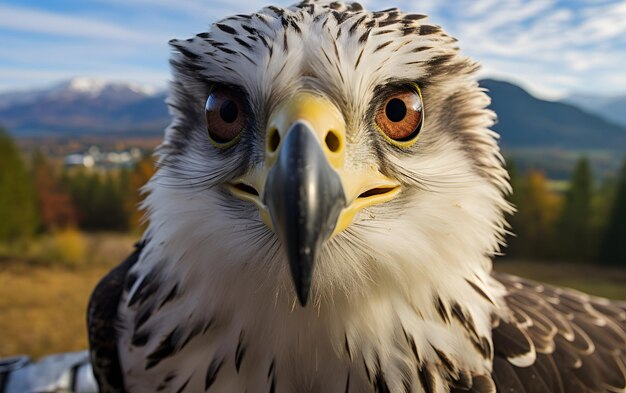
(511, 12)
(530, 76)
(13, 78)
(73, 54)
(209, 10)
(551, 46)
(604, 23)
(426, 7)
(480, 7)
(36, 21)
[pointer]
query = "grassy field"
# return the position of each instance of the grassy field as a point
(599, 281)
(42, 308)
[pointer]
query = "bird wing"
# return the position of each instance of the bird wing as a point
(101, 325)
(558, 340)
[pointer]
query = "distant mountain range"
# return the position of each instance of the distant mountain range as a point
(612, 108)
(525, 121)
(83, 106)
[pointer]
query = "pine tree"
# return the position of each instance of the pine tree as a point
(100, 199)
(614, 245)
(18, 203)
(574, 228)
(84, 188)
(110, 205)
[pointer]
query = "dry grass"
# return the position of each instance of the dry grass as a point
(595, 280)
(42, 308)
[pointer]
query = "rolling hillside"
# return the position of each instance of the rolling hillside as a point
(525, 121)
(611, 108)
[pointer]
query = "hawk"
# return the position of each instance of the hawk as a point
(327, 202)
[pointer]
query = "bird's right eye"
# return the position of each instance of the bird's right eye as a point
(225, 117)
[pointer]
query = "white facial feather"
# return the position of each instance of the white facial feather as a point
(389, 280)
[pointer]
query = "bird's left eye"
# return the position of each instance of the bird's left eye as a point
(225, 117)
(401, 117)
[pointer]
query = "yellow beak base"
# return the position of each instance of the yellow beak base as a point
(362, 187)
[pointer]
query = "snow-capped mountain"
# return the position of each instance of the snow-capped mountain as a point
(78, 86)
(84, 105)
(94, 87)
(92, 106)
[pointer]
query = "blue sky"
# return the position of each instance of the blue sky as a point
(552, 47)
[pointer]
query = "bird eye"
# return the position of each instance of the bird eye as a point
(225, 118)
(401, 116)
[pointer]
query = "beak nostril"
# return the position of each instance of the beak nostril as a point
(273, 140)
(332, 141)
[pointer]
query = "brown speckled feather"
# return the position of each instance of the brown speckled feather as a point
(101, 325)
(558, 340)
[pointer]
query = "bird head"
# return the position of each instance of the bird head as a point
(342, 150)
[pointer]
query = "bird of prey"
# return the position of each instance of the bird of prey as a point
(327, 202)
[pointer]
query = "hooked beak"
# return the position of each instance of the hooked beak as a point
(304, 196)
(304, 191)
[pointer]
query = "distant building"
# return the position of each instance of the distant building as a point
(79, 160)
(98, 159)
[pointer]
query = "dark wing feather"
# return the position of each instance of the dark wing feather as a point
(101, 319)
(578, 341)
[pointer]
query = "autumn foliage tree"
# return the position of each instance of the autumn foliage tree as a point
(55, 203)
(534, 223)
(137, 179)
